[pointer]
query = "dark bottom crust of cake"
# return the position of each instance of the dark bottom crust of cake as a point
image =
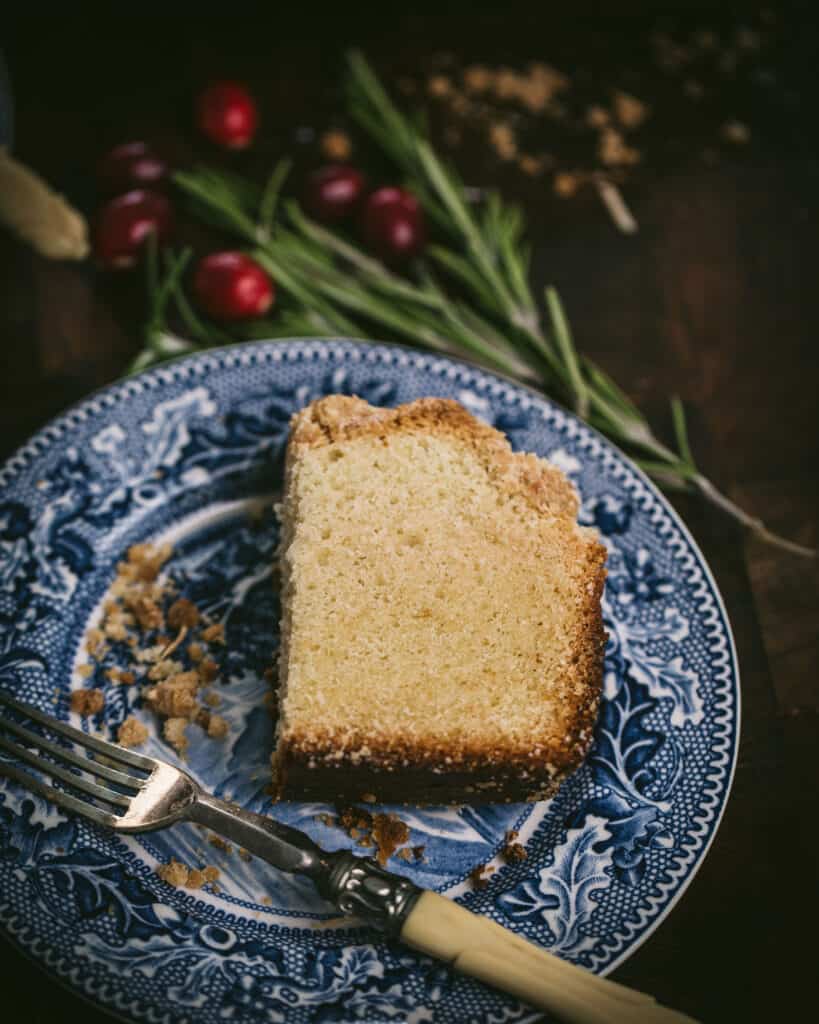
(346, 784)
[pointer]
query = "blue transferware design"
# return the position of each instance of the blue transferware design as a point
(184, 453)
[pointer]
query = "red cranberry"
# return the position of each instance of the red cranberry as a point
(394, 224)
(131, 165)
(333, 192)
(123, 225)
(227, 114)
(230, 286)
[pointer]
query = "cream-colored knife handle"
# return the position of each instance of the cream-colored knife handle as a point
(479, 947)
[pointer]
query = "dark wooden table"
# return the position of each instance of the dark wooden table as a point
(714, 299)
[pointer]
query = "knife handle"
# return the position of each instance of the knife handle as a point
(477, 946)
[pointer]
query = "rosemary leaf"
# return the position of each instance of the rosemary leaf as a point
(565, 344)
(270, 197)
(681, 430)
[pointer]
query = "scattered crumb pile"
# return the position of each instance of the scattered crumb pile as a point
(179, 874)
(167, 646)
(511, 851)
(385, 832)
(576, 125)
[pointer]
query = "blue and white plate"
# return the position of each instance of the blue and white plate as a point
(182, 453)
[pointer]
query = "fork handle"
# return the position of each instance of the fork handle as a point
(477, 946)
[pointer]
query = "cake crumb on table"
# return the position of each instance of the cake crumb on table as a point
(132, 732)
(87, 702)
(335, 145)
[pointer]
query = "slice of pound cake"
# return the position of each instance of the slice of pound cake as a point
(442, 639)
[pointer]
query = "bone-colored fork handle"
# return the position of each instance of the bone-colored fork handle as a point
(477, 946)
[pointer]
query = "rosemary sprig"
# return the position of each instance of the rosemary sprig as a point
(484, 308)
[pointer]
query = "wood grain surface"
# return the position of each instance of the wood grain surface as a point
(715, 299)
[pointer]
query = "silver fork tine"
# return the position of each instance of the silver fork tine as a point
(78, 736)
(66, 754)
(77, 781)
(57, 796)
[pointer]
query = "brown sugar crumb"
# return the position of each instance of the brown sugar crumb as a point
(736, 132)
(176, 696)
(566, 184)
(355, 817)
(93, 638)
(214, 634)
(208, 670)
(218, 727)
(503, 140)
(86, 670)
(164, 669)
(220, 844)
(145, 561)
(147, 611)
(478, 876)
(183, 613)
(389, 832)
(628, 110)
(512, 851)
(597, 117)
(196, 879)
(132, 732)
(613, 150)
(174, 873)
(174, 732)
(478, 78)
(196, 652)
(531, 165)
(439, 85)
(87, 702)
(336, 145)
(116, 630)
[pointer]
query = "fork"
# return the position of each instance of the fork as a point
(129, 792)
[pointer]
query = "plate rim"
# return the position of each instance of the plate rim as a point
(124, 387)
